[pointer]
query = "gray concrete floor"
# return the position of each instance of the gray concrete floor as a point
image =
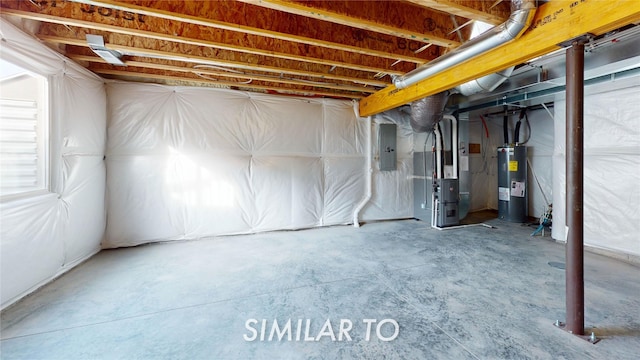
(471, 293)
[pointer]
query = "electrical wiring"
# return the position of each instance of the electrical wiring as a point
(484, 125)
(484, 145)
(214, 79)
(526, 118)
(249, 75)
(516, 131)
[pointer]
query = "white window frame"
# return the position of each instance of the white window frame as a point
(44, 139)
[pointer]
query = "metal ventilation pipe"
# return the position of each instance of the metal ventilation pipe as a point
(427, 112)
(521, 16)
(485, 84)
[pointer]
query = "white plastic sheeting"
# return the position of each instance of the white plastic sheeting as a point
(611, 171)
(484, 181)
(45, 235)
(188, 163)
(392, 191)
(539, 156)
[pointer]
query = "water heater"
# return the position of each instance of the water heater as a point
(512, 183)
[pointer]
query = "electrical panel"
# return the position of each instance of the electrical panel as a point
(387, 146)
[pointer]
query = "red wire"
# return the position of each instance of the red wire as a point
(484, 125)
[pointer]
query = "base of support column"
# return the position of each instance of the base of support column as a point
(590, 338)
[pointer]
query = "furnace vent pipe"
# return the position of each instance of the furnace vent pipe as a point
(521, 16)
(455, 143)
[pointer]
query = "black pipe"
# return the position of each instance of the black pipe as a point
(505, 126)
(516, 133)
(549, 105)
(575, 189)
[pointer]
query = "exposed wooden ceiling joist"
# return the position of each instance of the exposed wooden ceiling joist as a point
(339, 47)
(130, 30)
(179, 12)
(193, 57)
(213, 72)
(381, 17)
(471, 9)
(179, 79)
(555, 22)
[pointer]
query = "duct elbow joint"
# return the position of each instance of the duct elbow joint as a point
(520, 19)
(401, 82)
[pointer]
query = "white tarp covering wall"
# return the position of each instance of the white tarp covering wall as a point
(392, 196)
(188, 163)
(483, 166)
(45, 235)
(611, 171)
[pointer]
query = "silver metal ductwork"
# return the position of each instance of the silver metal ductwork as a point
(485, 84)
(520, 19)
(427, 112)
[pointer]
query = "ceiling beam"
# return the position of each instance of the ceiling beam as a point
(382, 17)
(303, 92)
(67, 17)
(206, 72)
(555, 22)
(471, 9)
(196, 59)
(177, 11)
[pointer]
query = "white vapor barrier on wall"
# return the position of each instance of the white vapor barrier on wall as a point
(539, 156)
(483, 166)
(46, 234)
(392, 191)
(611, 171)
(189, 163)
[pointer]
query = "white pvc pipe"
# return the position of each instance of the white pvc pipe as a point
(434, 209)
(463, 226)
(436, 130)
(369, 174)
(454, 143)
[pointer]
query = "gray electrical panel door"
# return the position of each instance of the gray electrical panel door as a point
(387, 146)
(448, 194)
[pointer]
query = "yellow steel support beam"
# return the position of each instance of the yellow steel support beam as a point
(555, 22)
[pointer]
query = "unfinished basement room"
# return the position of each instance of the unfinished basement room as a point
(319, 179)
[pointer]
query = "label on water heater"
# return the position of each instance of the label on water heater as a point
(517, 188)
(513, 165)
(503, 194)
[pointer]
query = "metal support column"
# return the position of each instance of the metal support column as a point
(574, 201)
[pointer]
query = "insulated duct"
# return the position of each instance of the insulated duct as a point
(427, 112)
(521, 16)
(485, 84)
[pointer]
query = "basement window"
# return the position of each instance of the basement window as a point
(24, 132)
